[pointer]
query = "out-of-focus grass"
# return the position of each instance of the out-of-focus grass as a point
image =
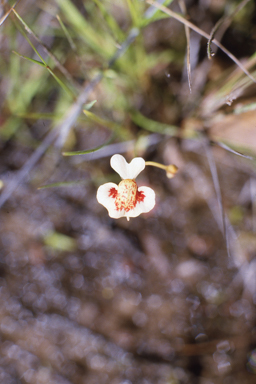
(96, 31)
(66, 40)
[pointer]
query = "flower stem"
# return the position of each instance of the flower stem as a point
(153, 164)
(170, 169)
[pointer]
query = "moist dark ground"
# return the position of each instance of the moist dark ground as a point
(158, 299)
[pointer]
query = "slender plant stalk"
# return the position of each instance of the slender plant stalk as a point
(187, 32)
(178, 17)
(62, 69)
(225, 19)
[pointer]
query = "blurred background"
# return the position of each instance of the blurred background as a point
(168, 297)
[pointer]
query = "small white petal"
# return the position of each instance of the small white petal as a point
(143, 206)
(107, 201)
(103, 193)
(125, 170)
(116, 214)
(119, 164)
(136, 166)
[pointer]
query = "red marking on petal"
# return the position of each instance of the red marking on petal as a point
(112, 192)
(140, 197)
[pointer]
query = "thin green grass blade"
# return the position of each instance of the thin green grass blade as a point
(111, 22)
(45, 48)
(88, 106)
(89, 150)
(62, 184)
(116, 128)
(135, 12)
(98, 42)
(56, 116)
(63, 86)
(152, 125)
(59, 81)
(39, 116)
(67, 34)
(24, 34)
(29, 59)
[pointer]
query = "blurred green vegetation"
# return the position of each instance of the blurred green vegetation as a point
(38, 78)
(42, 82)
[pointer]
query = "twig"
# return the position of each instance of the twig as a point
(184, 11)
(176, 16)
(227, 20)
(225, 146)
(58, 64)
(4, 17)
(216, 184)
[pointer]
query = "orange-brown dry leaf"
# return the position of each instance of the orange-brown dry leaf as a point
(238, 130)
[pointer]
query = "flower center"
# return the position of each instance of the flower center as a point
(126, 195)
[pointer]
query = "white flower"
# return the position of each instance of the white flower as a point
(126, 199)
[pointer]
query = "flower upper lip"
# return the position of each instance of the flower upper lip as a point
(125, 170)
